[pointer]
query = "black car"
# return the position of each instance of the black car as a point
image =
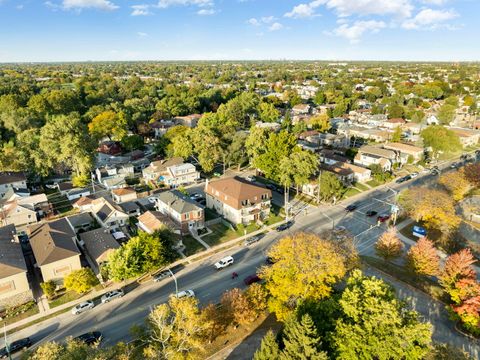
(285, 226)
(351, 208)
(15, 347)
(401, 180)
(371, 213)
(89, 338)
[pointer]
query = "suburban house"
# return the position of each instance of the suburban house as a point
(394, 123)
(368, 155)
(12, 180)
(344, 174)
(98, 245)
(55, 249)
(71, 192)
(123, 195)
(14, 286)
(113, 177)
(161, 127)
(152, 221)
(468, 137)
(190, 121)
(301, 109)
(131, 208)
(107, 214)
(172, 172)
(81, 222)
(12, 212)
(238, 200)
(360, 174)
(330, 157)
(405, 151)
(186, 213)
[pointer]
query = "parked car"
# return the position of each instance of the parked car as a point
(339, 229)
(89, 338)
(185, 293)
(162, 275)
(435, 172)
(15, 346)
(250, 178)
(351, 207)
(371, 213)
(223, 263)
(111, 295)
(401, 180)
(253, 240)
(152, 200)
(82, 307)
(249, 280)
(383, 218)
(285, 226)
(413, 175)
(195, 196)
(454, 165)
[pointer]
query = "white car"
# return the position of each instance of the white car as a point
(152, 200)
(223, 263)
(185, 293)
(112, 295)
(82, 307)
(250, 178)
(413, 175)
(195, 196)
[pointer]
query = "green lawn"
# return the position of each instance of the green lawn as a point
(427, 285)
(350, 192)
(220, 234)
(64, 298)
(374, 183)
(60, 203)
(361, 186)
(192, 246)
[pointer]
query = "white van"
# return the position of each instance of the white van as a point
(223, 263)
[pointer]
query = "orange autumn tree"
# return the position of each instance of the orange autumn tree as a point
(389, 245)
(456, 184)
(472, 174)
(422, 258)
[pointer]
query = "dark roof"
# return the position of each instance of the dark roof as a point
(178, 202)
(11, 177)
(11, 256)
(104, 212)
(52, 241)
(129, 206)
(98, 242)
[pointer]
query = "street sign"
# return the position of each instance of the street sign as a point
(419, 231)
(394, 209)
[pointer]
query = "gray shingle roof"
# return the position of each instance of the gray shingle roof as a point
(178, 202)
(11, 256)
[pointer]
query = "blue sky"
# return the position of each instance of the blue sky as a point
(78, 30)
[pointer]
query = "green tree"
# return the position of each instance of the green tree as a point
(446, 114)
(441, 139)
(373, 324)
(301, 341)
(132, 142)
(80, 180)
(81, 280)
(330, 186)
(142, 253)
(396, 111)
(397, 134)
(269, 349)
(49, 288)
(267, 112)
(109, 123)
(320, 123)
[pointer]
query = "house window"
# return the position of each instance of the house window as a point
(62, 270)
(244, 202)
(187, 216)
(7, 287)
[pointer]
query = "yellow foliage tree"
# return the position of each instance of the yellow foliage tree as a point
(305, 267)
(435, 208)
(456, 183)
(319, 122)
(389, 245)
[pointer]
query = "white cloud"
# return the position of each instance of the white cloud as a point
(206, 12)
(168, 3)
(142, 34)
(302, 11)
(355, 31)
(267, 19)
(89, 4)
(402, 8)
(435, 2)
(429, 19)
(253, 22)
(141, 10)
(264, 20)
(275, 26)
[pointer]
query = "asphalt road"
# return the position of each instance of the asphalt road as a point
(116, 318)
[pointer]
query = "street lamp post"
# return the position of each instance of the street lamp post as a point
(174, 279)
(7, 346)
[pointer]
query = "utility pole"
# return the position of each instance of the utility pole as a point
(7, 345)
(174, 279)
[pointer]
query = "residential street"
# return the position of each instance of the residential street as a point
(116, 318)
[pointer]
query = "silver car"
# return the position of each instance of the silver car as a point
(185, 293)
(82, 307)
(112, 295)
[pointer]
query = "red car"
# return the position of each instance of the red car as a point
(383, 218)
(249, 280)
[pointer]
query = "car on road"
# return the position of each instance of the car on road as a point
(401, 180)
(250, 178)
(185, 293)
(271, 187)
(249, 280)
(195, 196)
(351, 207)
(285, 226)
(82, 307)
(371, 213)
(152, 200)
(89, 338)
(435, 172)
(162, 275)
(454, 165)
(253, 240)
(223, 263)
(111, 295)
(382, 218)
(339, 229)
(15, 346)
(413, 175)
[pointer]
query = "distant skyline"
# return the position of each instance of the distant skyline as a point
(120, 30)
